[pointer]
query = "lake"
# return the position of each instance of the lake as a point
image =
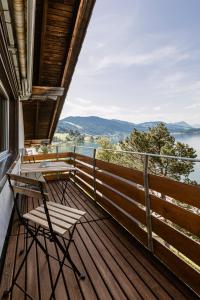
(191, 140)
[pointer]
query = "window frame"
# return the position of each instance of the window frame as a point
(3, 154)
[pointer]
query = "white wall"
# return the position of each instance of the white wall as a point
(21, 127)
(6, 197)
(6, 205)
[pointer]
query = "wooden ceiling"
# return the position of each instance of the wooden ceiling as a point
(60, 27)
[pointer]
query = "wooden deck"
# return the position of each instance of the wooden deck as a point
(116, 266)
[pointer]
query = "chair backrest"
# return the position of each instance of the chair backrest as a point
(27, 186)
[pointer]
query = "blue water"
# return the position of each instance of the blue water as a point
(191, 140)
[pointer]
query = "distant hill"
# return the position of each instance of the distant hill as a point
(99, 126)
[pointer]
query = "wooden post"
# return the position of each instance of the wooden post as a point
(147, 203)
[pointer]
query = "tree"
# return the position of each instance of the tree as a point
(45, 149)
(102, 153)
(91, 139)
(157, 140)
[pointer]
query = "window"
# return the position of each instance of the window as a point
(4, 121)
(3, 125)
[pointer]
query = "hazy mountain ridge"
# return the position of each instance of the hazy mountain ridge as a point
(100, 126)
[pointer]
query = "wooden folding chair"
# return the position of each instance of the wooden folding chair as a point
(56, 220)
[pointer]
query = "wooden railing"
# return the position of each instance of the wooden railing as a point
(172, 229)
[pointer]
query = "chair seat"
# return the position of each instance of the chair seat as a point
(62, 217)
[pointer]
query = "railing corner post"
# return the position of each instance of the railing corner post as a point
(74, 157)
(94, 173)
(148, 203)
(57, 153)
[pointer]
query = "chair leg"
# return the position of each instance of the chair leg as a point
(81, 275)
(56, 281)
(7, 291)
(63, 190)
(22, 251)
(34, 236)
(67, 255)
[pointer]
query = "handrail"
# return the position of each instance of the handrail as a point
(140, 153)
(132, 152)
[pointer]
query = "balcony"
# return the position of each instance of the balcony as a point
(128, 249)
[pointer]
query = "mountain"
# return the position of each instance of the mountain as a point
(99, 126)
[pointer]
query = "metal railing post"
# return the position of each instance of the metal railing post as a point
(56, 152)
(74, 152)
(94, 172)
(148, 203)
(23, 152)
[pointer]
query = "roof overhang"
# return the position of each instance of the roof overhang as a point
(48, 37)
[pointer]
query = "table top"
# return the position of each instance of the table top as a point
(46, 167)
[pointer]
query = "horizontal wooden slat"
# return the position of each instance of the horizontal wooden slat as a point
(67, 212)
(123, 203)
(29, 192)
(44, 223)
(64, 154)
(176, 214)
(178, 266)
(26, 180)
(86, 188)
(84, 168)
(57, 215)
(46, 156)
(84, 158)
(126, 222)
(85, 183)
(177, 239)
(64, 212)
(183, 192)
(54, 221)
(122, 186)
(55, 177)
(67, 208)
(86, 178)
(126, 173)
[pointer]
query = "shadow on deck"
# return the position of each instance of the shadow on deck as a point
(116, 266)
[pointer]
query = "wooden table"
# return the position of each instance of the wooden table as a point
(47, 167)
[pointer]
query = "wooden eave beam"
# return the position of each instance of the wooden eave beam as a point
(79, 31)
(41, 98)
(47, 91)
(37, 142)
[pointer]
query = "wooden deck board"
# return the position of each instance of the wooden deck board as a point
(114, 265)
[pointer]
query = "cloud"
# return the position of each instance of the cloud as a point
(194, 105)
(157, 108)
(83, 101)
(148, 58)
(75, 108)
(142, 63)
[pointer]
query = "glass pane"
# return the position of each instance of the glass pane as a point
(3, 125)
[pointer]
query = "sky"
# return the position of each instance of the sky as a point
(140, 62)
